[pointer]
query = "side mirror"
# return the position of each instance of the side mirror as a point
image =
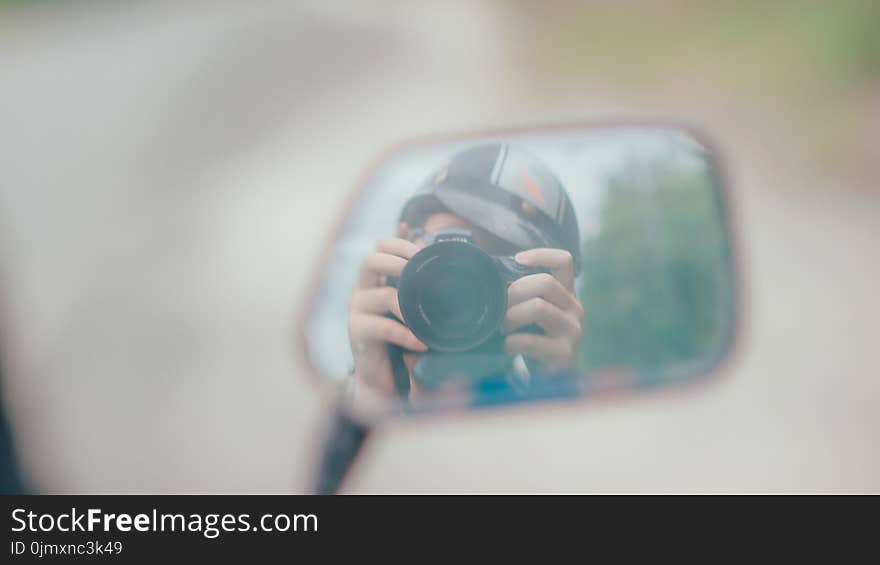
(486, 270)
(420, 278)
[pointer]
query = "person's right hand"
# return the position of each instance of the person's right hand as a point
(370, 330)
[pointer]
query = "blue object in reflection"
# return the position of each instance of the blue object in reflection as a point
(497, 391)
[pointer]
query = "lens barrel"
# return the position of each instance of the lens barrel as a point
(452, 296)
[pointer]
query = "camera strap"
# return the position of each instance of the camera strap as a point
(399, 371)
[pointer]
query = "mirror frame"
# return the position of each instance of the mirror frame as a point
(720, 364)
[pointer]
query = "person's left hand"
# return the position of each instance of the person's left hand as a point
(549, 301)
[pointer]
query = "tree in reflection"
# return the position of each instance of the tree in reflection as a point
(655, 284)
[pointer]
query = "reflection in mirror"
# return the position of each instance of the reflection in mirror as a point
(546, 263)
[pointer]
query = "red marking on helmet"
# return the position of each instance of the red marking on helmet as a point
(533, 188)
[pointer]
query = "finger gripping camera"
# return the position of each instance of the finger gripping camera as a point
(453, 295)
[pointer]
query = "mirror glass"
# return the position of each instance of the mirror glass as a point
(546, 263)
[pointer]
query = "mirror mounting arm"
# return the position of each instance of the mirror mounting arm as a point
(344, 441)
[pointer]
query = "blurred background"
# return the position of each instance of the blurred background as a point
(170, 172)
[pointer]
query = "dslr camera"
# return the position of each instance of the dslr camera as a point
(453, 296)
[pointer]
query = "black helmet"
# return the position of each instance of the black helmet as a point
(505, 191)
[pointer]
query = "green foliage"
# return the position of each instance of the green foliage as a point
(811, 67)
(655, 284)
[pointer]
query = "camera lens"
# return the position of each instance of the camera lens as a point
(451, 302)
(452, 296)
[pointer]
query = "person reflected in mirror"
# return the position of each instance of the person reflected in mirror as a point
(507, 203)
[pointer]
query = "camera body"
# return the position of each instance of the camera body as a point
(453, 297)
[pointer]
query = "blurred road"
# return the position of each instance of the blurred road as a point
(168, 173)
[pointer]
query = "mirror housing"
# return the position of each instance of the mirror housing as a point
(652, 268)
